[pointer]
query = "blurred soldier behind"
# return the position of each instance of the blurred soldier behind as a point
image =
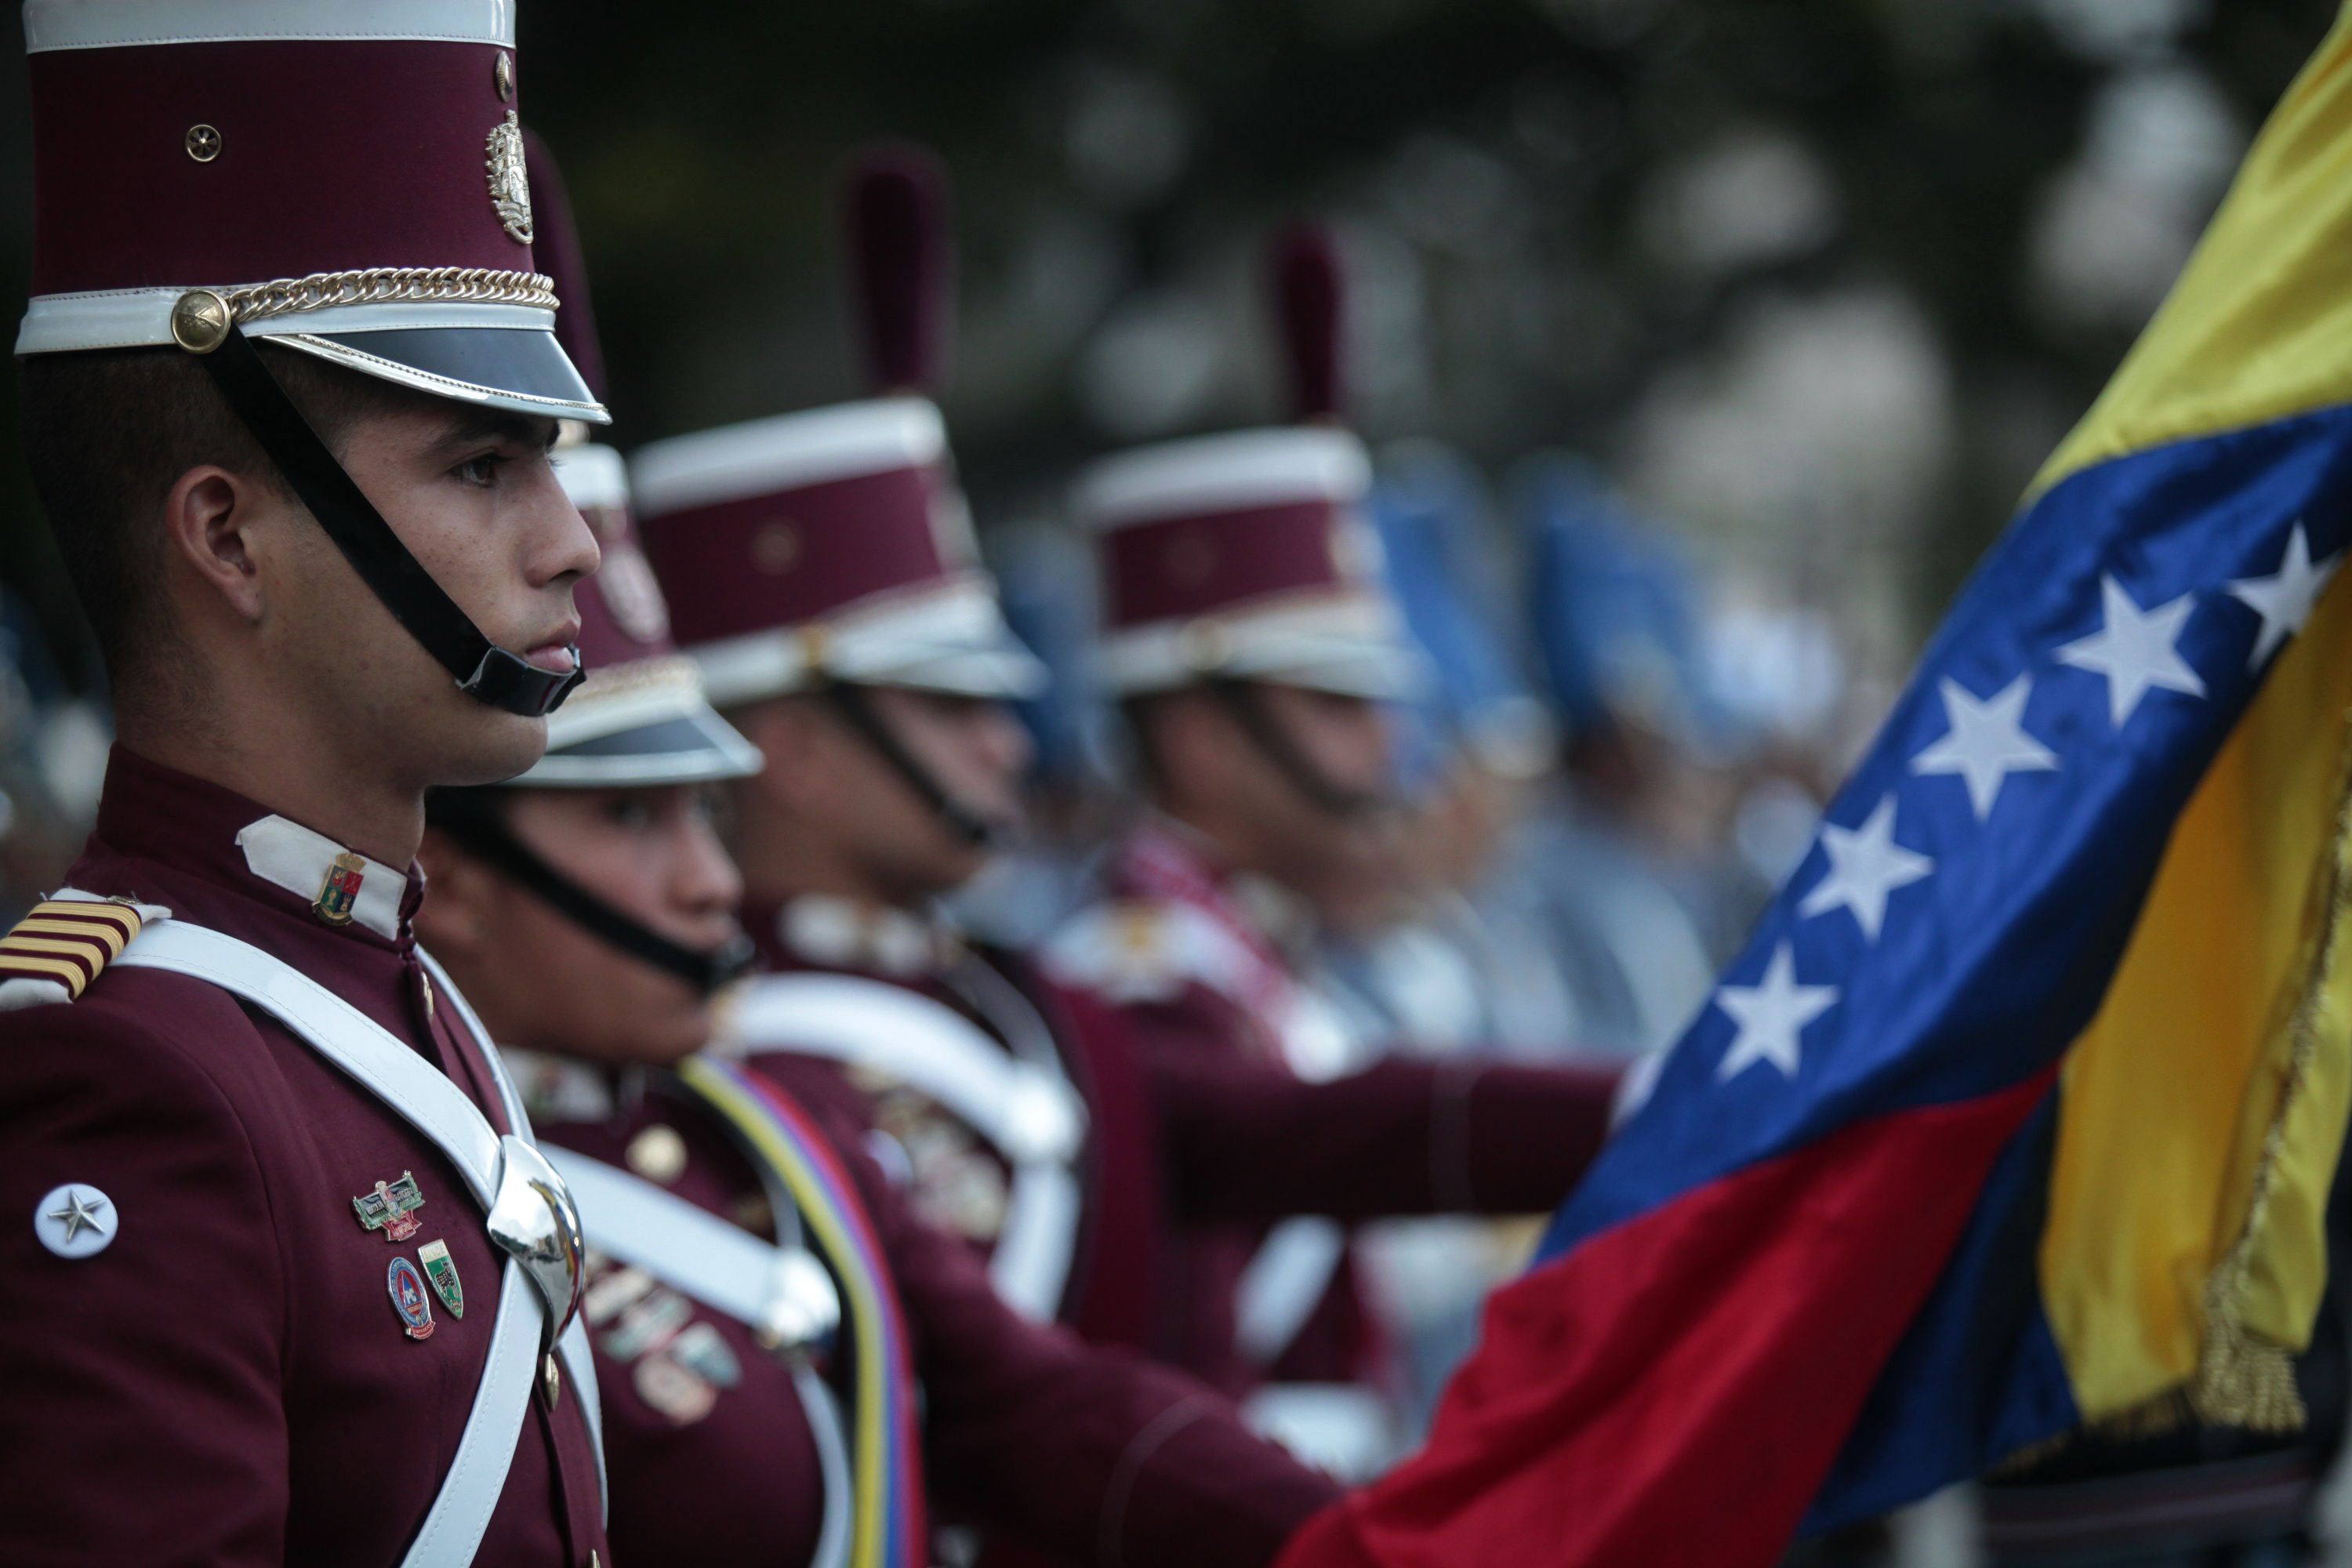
(764, 1303)
(821, 570)
(1249, 636)
(1622, 862)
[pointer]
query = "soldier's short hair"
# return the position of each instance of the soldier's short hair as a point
(107, 434)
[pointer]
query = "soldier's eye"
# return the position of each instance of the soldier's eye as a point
(481, 472)
(629, 811)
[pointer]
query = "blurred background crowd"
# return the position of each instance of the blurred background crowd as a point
(1704, 344)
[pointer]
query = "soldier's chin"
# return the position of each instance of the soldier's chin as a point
(686, 1031)
(493, 746)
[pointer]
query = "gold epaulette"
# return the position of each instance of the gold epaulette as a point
(67, 942)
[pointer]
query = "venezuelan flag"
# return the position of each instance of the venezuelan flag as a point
(2019, 1113)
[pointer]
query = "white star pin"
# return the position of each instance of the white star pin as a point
(74, 1220)
(1987, 741)
(1771, 1017)
(1865, 866)
(2136, 649)
(2285, 598)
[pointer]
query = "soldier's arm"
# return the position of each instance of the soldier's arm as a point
(1247, 1140)
(142, 1416)
(1091, 1454)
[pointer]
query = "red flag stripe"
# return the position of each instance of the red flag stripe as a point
(1674, 1390)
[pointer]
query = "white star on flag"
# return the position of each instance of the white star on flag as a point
(1771, 1015)
(2136, 651)
(2285, 599)
(1987, 742)
(1865, 866)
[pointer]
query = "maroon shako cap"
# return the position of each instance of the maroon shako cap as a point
(343, 178)
(898, 211)
(1246, 556)
(834, 543)
(555, 250)
(639, 717)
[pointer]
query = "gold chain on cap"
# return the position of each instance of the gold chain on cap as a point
(393, 285)
(202, 317)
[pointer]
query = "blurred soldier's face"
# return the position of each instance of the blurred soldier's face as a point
(542, 981)
(469, 491)
(1214, 775)
(842, 803)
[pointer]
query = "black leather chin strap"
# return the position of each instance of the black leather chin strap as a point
(476, 818)
(856, 711)
(1244, 701)
(483, 670)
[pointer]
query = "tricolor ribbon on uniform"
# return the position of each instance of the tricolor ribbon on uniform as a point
(2019, 1115)
(887, 1496)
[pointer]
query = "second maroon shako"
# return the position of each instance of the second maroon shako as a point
(639, 718)
(1245, 556)
(830, 549)
(347, 183)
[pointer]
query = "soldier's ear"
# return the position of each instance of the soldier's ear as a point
(1195, 747)
(208, 516)
(794, 738)
(460, 911)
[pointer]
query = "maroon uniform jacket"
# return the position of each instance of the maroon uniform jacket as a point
(1110, 1297)
(1091, 1454)
(1202, 997)
(1197, 1142)
(228, 1381)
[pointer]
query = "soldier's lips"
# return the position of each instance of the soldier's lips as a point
(554, 655)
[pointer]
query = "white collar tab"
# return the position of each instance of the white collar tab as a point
(344, 888)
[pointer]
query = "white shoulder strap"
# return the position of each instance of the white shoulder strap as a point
(1029, 1112)
(491, 1166)
(1283, 1284)
(782, 1293)
(579, 1362)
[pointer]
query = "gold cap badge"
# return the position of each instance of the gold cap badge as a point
(509, 180)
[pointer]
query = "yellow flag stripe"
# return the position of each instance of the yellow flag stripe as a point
(2169, 1097)
(2259, 326)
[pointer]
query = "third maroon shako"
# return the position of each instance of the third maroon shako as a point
(833, 545)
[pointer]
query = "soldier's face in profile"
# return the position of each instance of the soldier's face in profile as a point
(972, 746)
(470, 492)
(1216, 775)
(543, 982)
(881, 840)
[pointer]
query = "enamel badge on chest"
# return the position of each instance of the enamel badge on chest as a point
(406, 1285)
(392, 1207)
(442, 1269)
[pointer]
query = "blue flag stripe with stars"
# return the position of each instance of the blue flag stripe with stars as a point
(1986, 969)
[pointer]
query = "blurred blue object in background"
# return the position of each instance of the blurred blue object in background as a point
(1046, 578)
(1431, 510)
(1617, 630)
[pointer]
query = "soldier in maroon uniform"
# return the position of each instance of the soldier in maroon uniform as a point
(821, 570)
(1251, 639)
(288, 1283)
(587, 907)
